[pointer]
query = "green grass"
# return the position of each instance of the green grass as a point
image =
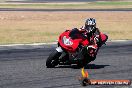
(112, 3)
(1, 1)
(63, 5)
(40, 5)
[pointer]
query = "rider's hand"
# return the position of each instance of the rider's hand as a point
(96, 38)
(92, 47)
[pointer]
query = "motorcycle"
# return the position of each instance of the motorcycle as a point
(71, 49)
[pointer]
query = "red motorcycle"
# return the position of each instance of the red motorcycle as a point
(74, 48)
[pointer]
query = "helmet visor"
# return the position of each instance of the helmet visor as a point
(90, 28)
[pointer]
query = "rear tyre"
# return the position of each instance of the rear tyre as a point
(53, 59)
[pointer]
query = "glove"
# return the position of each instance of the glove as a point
(92, 47)
(96, 38)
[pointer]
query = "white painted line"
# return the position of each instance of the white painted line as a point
(33, 44)
(36, 44)
(118, 40)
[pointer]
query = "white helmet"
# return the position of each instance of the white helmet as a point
(90, 25)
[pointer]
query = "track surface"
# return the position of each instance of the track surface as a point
(26, 68)
(56, 1)
(54, 10)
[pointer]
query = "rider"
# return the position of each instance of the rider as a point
(92, 33)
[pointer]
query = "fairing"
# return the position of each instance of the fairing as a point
(69, 43)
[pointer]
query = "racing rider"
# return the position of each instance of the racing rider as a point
(92, 33)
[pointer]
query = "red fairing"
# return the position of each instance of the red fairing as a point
(103, 37)
(71, 44)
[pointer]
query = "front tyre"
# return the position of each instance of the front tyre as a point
(53, 59)
(81, 64)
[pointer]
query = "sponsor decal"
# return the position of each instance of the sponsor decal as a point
(67, 41)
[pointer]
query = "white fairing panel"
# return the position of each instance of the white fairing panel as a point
(59, 49)
(67, 41)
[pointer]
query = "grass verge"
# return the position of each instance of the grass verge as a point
(30, 27)
(84, 5)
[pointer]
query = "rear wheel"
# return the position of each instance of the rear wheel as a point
(53, 59)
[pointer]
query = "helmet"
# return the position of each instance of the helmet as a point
(90, 25)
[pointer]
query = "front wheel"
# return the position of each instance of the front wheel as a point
(53, 59)
(81, 64)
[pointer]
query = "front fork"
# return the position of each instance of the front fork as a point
(60, 50)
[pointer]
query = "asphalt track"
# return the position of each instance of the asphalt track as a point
(24, 67)
(56, 1)
(55, 10)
